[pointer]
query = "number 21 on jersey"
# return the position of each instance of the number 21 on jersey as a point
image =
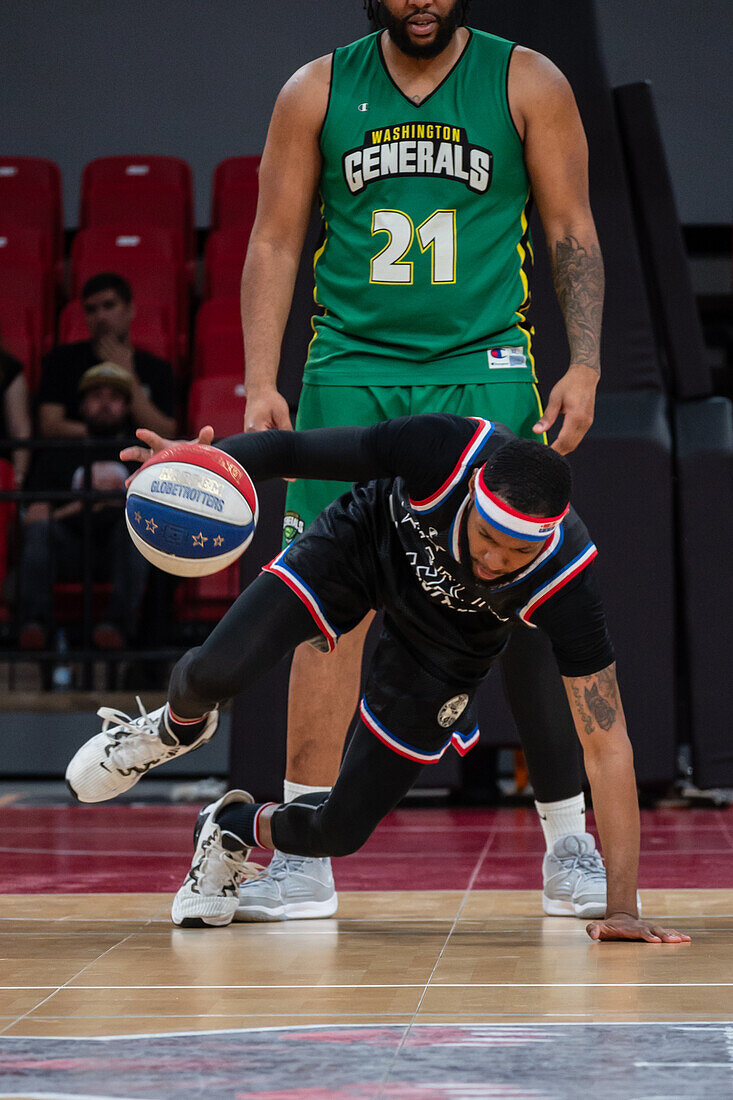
(437, 233)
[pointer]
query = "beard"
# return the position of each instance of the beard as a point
(105, 427)
(399, 34)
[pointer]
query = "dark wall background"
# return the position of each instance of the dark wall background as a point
(197, 78)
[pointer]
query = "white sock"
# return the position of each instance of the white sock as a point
(560, 818)
(295, 790)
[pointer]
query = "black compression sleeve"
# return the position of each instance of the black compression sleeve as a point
(575, 621)
(338, 454)
(423, 450)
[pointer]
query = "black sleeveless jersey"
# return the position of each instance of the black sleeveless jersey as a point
(401, 537)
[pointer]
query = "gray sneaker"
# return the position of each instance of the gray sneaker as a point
(574, 878)
(291, 888)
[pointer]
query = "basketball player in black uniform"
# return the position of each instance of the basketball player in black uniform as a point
(457, 530)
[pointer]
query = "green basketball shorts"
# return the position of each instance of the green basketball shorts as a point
(516, 404)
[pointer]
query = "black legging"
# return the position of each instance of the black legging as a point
(372, 779)
(267, 622)
(264, 624)
(539, 705)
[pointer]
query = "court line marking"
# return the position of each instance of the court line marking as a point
(713, 1025)
(57, 1096)
(683, 1065)
(386, 985)
(464, 899)
(58, 988)
(351, 920)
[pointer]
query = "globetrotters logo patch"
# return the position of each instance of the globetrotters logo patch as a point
(293, 526)
(451, 711)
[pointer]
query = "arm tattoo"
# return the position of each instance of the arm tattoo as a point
(577, 273)
(598, 703)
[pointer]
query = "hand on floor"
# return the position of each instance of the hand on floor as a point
(622, 926)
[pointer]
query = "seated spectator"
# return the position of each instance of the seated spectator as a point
(109, 309)
(15, 420)
(52, 542)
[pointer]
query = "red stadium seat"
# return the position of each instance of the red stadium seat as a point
(33, 208)
(234, 192)
(35, 170)
(219, 402)
(68, 601)
(30, 194)
(152, 329)
(218, 313)
(106, 244)
(136, 207)
(151, 241)
(225, 253)
(17, 337)
(221, 354)
(25, 328)
(206, 599)
(28, 286)
(152, 169)
(141, 186)
(25, 242)
(216, 317)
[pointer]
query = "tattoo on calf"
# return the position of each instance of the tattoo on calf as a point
(599, 707)
(577, 273)
(598, 703)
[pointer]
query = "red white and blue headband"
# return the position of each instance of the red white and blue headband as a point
(508, 519)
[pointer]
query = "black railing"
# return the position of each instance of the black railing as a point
(162, 642)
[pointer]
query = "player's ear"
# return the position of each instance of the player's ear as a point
(472, 485)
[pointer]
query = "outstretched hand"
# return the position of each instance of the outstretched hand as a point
(156, 443)
(622, 926)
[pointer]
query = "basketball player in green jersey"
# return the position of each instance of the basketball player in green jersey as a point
(425, 143)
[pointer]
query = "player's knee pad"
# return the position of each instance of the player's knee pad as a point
(341, 834)
(196, 681)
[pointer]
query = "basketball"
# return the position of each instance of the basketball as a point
(191, 510)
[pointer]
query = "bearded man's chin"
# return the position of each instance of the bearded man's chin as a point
(399, 34)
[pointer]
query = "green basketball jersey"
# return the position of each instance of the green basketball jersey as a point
(423, 275)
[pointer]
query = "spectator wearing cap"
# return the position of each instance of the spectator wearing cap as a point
(53, 533)
(109, 310)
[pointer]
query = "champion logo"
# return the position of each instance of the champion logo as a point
(363, 107)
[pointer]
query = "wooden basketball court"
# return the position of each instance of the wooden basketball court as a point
(423, 991)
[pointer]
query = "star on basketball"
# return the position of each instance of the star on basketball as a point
(200, 539)
(218, 540)
(151, 525)
(137, 517)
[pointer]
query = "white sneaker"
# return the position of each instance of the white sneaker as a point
(114, 760)
(291, 888)
(210, 891)
(574, 879)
